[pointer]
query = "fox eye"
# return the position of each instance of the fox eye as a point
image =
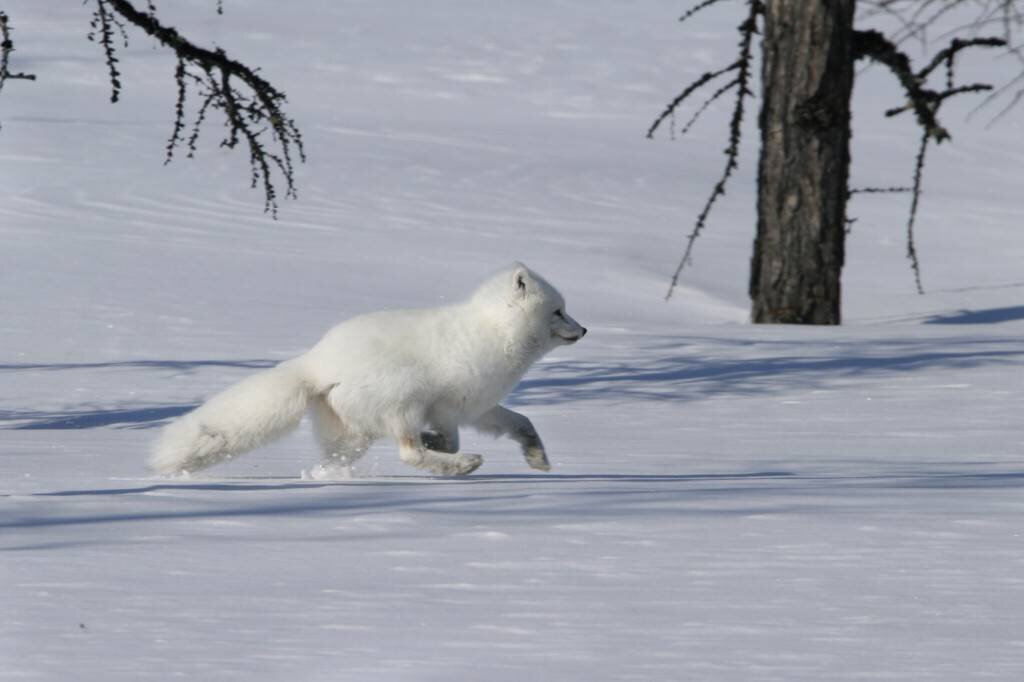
(558, 313)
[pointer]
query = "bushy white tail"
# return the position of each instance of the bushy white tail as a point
(254, 411)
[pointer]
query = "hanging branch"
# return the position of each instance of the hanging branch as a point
(741, 83)
(850, 193)
(1005, 17)
(1014, 100)
(915, 264)
(103, 24)
(687, 91)
(707, 103)
(250, 104)
(670, 110)
(6, 48)
(923, 101)
(696, 8)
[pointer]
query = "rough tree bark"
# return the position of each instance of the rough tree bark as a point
(807, 81)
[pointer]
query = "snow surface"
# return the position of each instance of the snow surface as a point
(729, 502)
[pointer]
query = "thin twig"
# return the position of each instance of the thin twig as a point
(878, 190)
(687, 91)
(6, 48)
(708, 102)
(103, 23)
(911, 248)
(955, 46)
(747, 30)
(696, 8)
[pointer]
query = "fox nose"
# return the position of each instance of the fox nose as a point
(583, 333)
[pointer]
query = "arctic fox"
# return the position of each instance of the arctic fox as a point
(413, 375)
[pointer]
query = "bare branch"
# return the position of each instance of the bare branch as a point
(1017, 97)
(689, 90)
(923, 101)
(708, 102)
(956, 45)
(743, 64)
(915, 265)
(696, 8)
(103, 24)
(878, 190)
(876, 46)
(6, 48)
(250, 104)
(179, 109)
(1006, 87)
(1005, 17)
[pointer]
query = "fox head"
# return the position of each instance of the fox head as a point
(533, 310)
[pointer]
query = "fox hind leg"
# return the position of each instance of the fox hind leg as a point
(441, 439)
(340, 449)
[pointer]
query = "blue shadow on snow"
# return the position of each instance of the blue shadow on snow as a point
(990, 316)
(123, 416)
(597, 496)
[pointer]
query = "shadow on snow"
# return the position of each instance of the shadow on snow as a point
(175, 365)
(512, 498)
(138, 418)
(122, 416)
(673, 369)
(989, 316)
(682, 370)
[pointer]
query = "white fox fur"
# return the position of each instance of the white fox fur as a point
(413, 375)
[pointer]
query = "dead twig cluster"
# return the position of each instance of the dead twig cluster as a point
(924, 101)
(252, 107)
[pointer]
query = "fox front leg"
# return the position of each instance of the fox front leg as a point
(501, 421)
(412, 451)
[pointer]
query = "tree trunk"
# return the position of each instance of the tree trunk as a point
(805, 159)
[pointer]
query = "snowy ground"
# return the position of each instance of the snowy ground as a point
(728, 502)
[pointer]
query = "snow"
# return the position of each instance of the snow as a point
(728, 501)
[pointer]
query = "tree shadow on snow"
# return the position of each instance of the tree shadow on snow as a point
(509, 499)
(270, 484)
(128, 416)
(687, 369)
(989, 316)
(174, 365)
(679, 369)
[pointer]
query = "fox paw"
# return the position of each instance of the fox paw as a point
(537, 459)
(455, 465)
(448, 465)
(463, 465)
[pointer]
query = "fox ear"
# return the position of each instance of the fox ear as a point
(519, 278)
